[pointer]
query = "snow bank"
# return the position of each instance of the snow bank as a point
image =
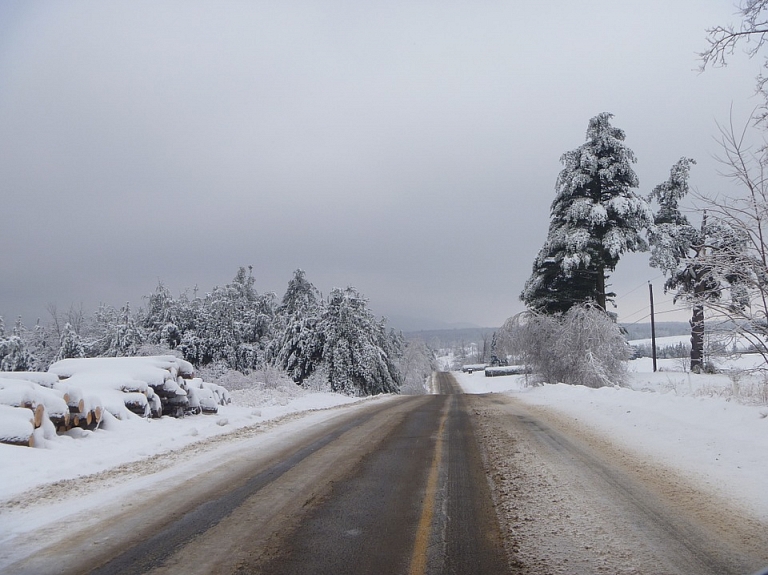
(82, 452)
(718, 444)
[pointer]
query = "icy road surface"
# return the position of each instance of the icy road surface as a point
(447, 483)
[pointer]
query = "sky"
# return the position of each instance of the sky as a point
(404, 148)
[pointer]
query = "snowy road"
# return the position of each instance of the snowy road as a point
(393, 485)
(570, 502)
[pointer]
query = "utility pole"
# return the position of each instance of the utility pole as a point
(653, 328)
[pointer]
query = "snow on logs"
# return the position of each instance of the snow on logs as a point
(77, 393)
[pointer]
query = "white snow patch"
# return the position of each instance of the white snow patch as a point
(691, 423)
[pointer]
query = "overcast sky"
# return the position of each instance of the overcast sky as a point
(409, 149)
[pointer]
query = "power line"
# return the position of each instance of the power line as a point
(638, 287)
(649, 315)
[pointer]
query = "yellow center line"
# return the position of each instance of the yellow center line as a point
(424, 530)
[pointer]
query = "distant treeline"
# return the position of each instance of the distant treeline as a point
(663, 329)
(453, 338)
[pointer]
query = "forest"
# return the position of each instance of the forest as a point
(332, 342)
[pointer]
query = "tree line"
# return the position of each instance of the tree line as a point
(334, 343)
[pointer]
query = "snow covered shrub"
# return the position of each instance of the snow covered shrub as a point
(584, 346)
(416, 365)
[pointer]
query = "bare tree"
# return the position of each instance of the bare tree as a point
(745, 266)
(752, 33)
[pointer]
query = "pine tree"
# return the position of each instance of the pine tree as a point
(297, 346)
(595, 218)
(42, 348)
(160, 322)
(358, 354)
(121, 332)
(71, 346)
(14, 354)
(231, 325)
(682, 251)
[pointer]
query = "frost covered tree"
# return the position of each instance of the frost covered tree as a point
(684, 253)
(297, 346)
(162, 318)
(595, 218)
(742, 263)
(583, 346)
(416, 364)
(231, 325)
(44, 346)
(120, 332)
(752, 33)
(70, 346)
(358, 354)
(14, 353)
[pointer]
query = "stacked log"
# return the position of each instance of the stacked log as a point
(76, 393)
(127, 385)
(206, 397)
(43, 402)
(506, 370)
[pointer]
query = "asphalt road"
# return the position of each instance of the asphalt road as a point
(407, 485)
(419, 503)
(392, 487)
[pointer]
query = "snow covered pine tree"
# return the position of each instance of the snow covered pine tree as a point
(297, 346)
(358, 353)
(683, 252)
(596, 216)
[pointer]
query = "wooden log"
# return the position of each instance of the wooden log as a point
(93, 421)
(77, 406)
(82, 420)
(39, 412)
(136, 407)
(17, 426)
(21, 442)
(60, 421)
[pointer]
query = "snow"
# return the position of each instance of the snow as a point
(713, 429)
(696, 424)
(16, 424)
(119, 442)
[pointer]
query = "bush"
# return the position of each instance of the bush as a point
(584, 346)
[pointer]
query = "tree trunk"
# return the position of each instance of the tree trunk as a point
(600, 288)
(697, 339)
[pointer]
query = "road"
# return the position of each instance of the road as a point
(391, 487)
(571, 501)
(443, 483)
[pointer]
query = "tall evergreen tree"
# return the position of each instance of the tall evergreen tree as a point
(14, 353)
(121, 334)
(595, 218)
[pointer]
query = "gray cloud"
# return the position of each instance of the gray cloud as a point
(409, 149)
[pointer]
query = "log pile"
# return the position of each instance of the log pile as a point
(76, 393)
(506, 370)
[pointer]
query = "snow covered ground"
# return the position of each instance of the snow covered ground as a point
(80, 453)
(711, 428)
(706, 427)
